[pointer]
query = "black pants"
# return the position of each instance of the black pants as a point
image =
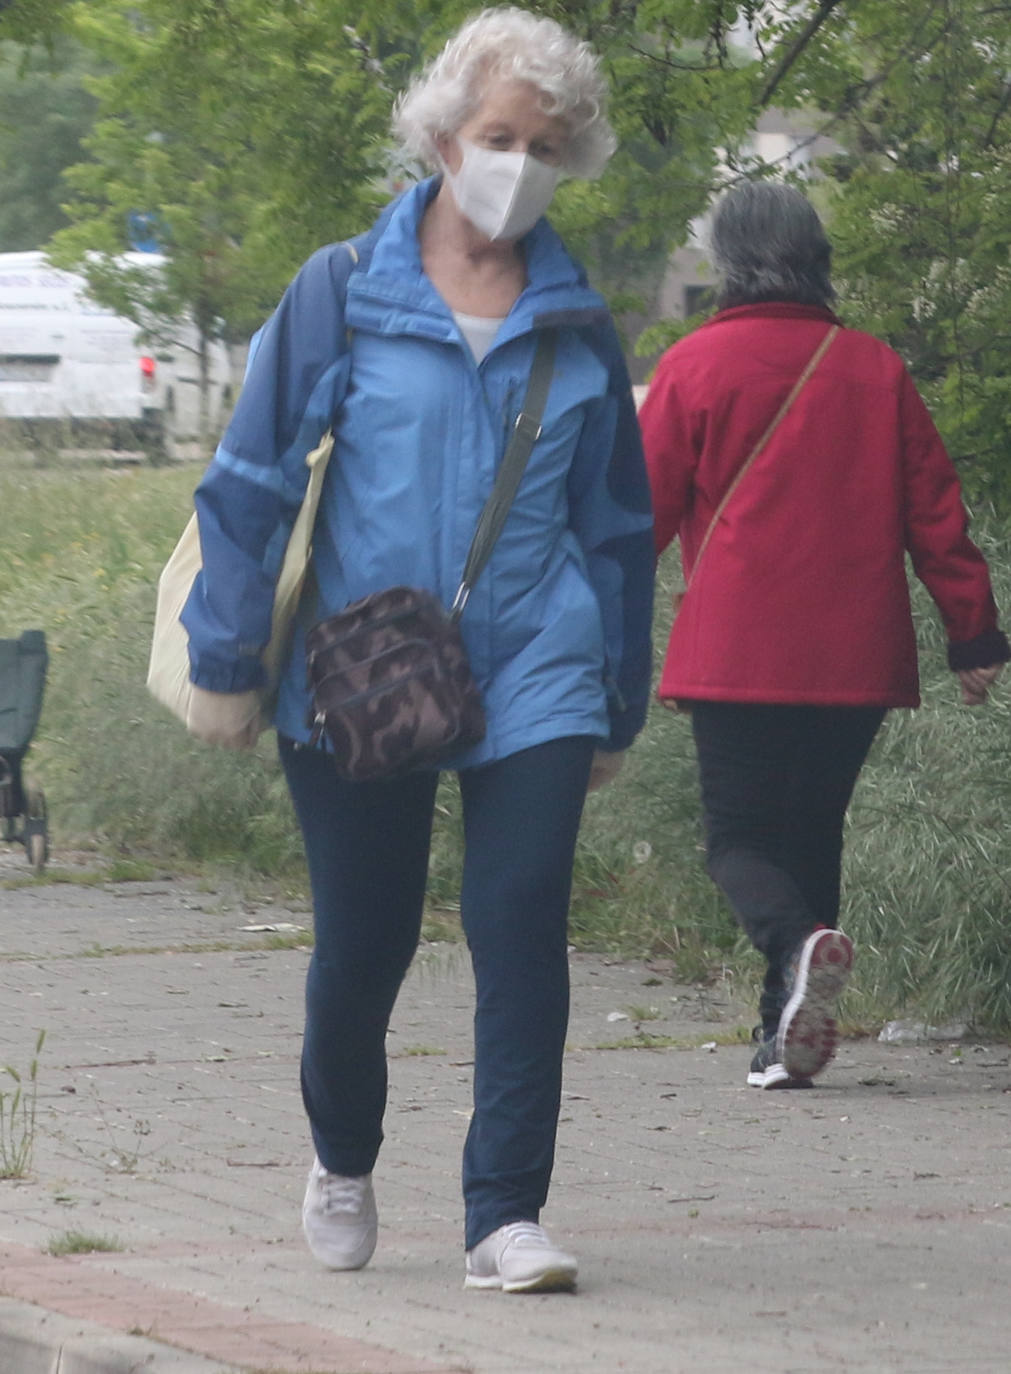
(776, 782)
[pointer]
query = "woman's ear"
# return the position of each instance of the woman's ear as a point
(448, 150)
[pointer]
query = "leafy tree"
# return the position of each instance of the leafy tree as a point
(273, 118)
(45, 112)
(681, 94)
(246, 133)
(917, 94)
(254, 133)
(919, 216)
(25, 21)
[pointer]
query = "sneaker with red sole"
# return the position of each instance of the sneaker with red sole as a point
(815, 978)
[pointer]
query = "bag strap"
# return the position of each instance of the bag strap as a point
(526, 432)
(780, 416)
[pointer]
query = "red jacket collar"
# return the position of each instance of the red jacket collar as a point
(774, 310)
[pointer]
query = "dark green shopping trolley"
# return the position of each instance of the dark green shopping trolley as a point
(23, 664)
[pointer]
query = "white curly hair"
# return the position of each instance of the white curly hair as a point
(512, 44)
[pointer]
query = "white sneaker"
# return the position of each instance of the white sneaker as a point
(519, 1258)
(339, 1218)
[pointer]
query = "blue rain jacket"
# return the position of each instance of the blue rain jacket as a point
(557, 628)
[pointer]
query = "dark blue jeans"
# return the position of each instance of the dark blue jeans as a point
(367, 848)
(776, 782)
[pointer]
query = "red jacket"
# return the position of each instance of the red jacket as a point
(801, 594)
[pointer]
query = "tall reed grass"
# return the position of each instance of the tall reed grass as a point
(927, 892)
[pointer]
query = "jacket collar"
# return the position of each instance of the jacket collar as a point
(557, 288)
(774, 310)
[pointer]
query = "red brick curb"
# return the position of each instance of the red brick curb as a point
(75, 1287)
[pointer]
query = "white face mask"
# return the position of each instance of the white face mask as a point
(502, 194)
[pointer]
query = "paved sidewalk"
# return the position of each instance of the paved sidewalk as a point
(865, 1225)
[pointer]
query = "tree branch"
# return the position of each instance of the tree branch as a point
(809, 30)
(998, 115)
(673, 63)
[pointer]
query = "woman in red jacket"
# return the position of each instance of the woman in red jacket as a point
(795, 634)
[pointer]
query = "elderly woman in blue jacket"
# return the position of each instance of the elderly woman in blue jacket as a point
(418, 355)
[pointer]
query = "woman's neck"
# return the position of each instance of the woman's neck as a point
(472, 273)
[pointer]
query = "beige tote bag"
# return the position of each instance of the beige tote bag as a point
(168, 674)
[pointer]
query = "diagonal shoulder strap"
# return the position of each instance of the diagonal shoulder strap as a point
(777, 420)
(525, 434)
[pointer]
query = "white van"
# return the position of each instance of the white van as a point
(73, 373)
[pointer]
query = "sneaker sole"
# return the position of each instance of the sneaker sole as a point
(807, 1035)
(776, 1076)
(350, 1258)
(550, 1281)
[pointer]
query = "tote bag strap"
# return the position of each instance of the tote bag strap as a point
(777, 420)
(526, 432)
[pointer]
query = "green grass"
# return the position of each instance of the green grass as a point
(81, 1243)
(17, 1115)
(83, 551)
(927, 887)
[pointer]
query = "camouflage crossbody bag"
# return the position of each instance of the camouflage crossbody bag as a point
(391, 685)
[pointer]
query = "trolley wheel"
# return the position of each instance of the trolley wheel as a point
(38, 851)
(36, 836)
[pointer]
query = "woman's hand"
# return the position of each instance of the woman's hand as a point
(976, 682)
(231, 719)
(605, 768)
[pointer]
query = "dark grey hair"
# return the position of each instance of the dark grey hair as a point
(767, 244)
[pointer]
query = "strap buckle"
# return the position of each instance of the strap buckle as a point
(459, 601)
(527, 427)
